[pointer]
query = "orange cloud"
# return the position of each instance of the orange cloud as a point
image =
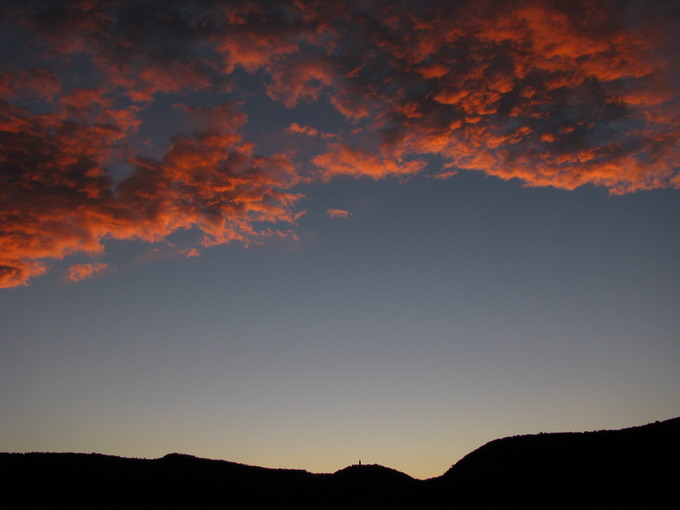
(297, 129)
(15, 272)
(79, 272)
(520, 92)
(345, 160)
(300, 80)
(338, 213)
(551, 93)
(190, 252)
(446, 175)
(58, 198)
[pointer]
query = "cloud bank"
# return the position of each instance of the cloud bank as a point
(552, 93)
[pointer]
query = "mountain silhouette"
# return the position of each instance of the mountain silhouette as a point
(638, 466)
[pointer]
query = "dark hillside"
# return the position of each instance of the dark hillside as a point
(101, 481)
(638, 465)
(183, 481)
(607, 469)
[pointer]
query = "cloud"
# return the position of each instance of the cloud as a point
(35, 81)
(58, 197)
(297, 129)
(343, 159)
(79, 272)
(445, 175)
(300, 80)
(15, 272)
(190, 252)
(338, 213)
(537, 91)
(551, 93)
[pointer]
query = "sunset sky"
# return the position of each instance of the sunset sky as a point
(303, 233)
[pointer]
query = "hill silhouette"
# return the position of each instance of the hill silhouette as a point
(639, 466)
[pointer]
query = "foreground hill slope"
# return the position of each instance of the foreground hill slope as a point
(635, 465)
(640, 466)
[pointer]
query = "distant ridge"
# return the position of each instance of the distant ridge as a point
(637, 466)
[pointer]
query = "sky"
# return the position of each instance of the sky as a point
(300, 234)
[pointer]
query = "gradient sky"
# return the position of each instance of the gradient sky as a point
(306, 234)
